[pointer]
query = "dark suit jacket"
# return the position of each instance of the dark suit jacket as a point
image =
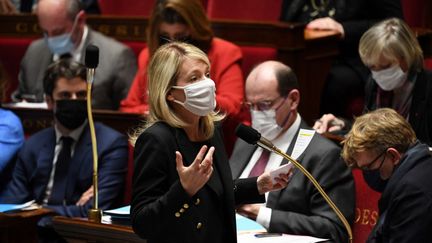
(406, 202)
(299, 208)
(161, 211)
(35, 160)
(420, 116)
(356, 16)
(114, 74)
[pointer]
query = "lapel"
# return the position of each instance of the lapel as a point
(82, 155)
(44, 165)
(273, 197)
(241, 156)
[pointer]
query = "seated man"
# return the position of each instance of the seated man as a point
(55, 165)
(383, 141)
(66, 33)
(273, 96)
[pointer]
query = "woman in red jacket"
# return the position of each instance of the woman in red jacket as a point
(185, 20)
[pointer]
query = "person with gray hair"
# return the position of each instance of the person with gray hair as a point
(382, 141)
(63, 23)
(398, 79)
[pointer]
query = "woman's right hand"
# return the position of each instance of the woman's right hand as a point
(195, 176)
(328, 123)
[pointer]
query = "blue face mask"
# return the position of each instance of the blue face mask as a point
(61, 44)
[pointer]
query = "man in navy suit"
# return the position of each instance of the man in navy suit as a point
(34, 176)
(273, 97)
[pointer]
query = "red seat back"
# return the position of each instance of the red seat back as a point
(258, 10)
(366, 211)
(12, 51)
(128, 182)
(126, 7)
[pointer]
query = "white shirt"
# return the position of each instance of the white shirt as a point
(282, 142)
(75, 134)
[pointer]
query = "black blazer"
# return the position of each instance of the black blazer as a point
(420, 116)
(161, 210)
(299, 208)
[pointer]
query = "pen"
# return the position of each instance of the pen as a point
(261, 235)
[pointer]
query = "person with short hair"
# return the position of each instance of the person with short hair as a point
(182, 186)
(273, 96)
(383, 141)
(55, 165)
(63, 23)
(398, 79)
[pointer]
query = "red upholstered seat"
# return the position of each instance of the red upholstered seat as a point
(127, 196)
(126, 7)
(12, 51)
(366, 210)
(259, 10)
(253, 55)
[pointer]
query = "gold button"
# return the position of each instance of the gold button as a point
(182, 210)
(177, 214)
(199, 226)
(197, 201)
(186, 205)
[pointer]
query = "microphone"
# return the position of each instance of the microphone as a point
(252, 136)
(91, 62)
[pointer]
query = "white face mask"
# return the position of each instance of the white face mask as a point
(390, 78)
(265, 123)
(200, 97)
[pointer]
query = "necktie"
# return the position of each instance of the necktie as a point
(260, 165)
(61, 172)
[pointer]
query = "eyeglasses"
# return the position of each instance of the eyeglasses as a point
(165, 39)
(263, 105)
(369, 166)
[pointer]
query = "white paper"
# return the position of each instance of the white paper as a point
(283, 169)
(23, 104)
(284, 238)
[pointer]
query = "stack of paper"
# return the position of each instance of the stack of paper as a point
(117, 216)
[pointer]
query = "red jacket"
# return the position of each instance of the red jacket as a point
(225, 71)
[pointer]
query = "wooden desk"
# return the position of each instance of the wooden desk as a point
(79, 230)
(34, 120)
(21, 226)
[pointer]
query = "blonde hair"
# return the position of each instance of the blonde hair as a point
(188, 12)
(163, 72)
(393, 40)
(377, 131)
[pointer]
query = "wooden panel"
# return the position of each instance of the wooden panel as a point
(21, 226)
(34, 120)
(83, 231)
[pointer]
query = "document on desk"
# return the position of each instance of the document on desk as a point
(5, 208)
(276, 238)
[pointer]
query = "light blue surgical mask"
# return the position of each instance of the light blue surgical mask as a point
(61, 44)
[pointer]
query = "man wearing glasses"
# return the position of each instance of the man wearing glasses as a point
(383, 141)
(273, 97)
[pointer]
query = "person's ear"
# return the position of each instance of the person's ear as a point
(50, 101)
(170, 96)
(394, 155)
(294, 97)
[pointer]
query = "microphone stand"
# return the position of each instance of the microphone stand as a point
(94, 214)
(316, 184)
